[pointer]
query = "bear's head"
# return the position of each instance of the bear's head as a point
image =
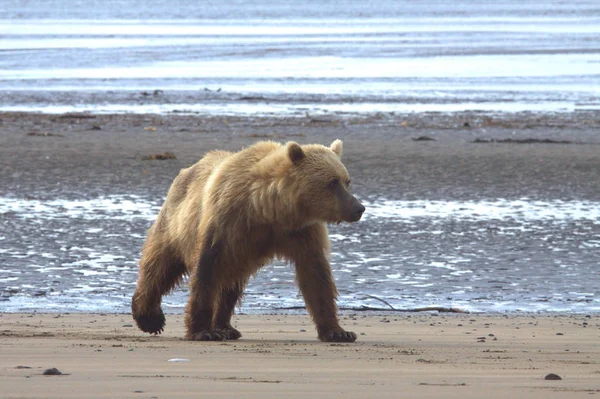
(322, 184)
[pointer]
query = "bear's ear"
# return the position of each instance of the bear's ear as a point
(337, 147)
(295, 152)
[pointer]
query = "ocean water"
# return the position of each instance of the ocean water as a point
(281, 58)
(486, 256)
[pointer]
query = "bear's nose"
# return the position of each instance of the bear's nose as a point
(359, 210)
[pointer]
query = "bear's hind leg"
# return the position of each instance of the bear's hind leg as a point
(204, 295)
(229, 298)
(159, 274)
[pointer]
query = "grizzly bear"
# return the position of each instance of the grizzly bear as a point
(230, 214)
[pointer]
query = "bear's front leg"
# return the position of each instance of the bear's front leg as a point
(204, 289)
(313, 272)
(317, 287)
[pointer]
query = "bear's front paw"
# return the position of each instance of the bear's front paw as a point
(151, 323)
(208, 335)
(337, 336)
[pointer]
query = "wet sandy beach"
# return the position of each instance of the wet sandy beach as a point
(84, 154)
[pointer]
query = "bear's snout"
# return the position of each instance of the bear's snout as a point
(354, 210)
(358, 211)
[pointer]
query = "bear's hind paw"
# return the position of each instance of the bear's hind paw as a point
(337, 336)
(212, 335)
(231, 334)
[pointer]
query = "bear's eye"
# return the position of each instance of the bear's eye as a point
(348, 182)
(334, 183)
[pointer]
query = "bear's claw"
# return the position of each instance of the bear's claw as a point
(153, 323)
(338, 336)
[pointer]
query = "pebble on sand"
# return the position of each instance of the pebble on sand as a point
(52, 371)
(552, 376)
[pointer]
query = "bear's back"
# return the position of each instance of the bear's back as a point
(184, 203)
(191, 181)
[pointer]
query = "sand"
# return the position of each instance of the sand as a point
(397, 355)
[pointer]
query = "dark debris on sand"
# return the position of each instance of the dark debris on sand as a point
(423, 138)
(522, 141)
(44, 134)
(159, 157)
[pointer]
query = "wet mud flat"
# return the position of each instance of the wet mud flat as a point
(489, 212)
(85, 154)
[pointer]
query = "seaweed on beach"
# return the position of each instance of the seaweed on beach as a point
(364, 308)
(71, 115)
(44, 134)
(521, 141)
(390, 308)
(159, 157)
(423, 138)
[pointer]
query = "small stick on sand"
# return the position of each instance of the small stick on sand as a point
(363, 308)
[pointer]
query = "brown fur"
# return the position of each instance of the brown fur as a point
(230, 214)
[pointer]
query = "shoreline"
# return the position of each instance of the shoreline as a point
(424, 355)
(580, 118)
(262, 107)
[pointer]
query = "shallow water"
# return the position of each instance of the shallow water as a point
(249, 58)
(475, 255)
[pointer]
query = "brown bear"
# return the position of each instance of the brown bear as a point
(230, 214)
